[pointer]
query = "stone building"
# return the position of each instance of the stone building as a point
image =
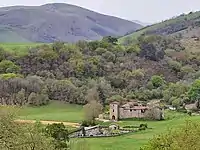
(128, 110)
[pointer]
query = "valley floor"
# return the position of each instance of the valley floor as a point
(71, 124)
(60, 112)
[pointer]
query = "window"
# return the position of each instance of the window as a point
(143, 111)
(113, 110)
(131, 110)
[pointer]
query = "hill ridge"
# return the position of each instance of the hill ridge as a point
(62, 22)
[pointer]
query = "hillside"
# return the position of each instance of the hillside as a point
(58, 22)
(186, 24)
(142, 23)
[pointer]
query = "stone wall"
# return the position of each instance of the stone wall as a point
(86, 133)
(93, 132)
(78, 133)
(130, 113)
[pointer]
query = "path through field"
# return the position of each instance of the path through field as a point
(76, 125)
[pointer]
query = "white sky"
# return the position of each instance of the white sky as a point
(143, 10)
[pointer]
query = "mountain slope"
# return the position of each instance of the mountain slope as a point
(187, 25)
(141, 23)
(52, 22)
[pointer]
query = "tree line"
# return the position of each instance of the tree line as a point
(142, 70)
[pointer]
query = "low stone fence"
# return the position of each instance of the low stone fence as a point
(100, 131)
(103, 136)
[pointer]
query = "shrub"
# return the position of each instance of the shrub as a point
(194, 92)
(10, 76)
(176, 102)
(187, 69)
(154, 114)
(59, 133)
(176, 66)
(183, 138)
(130, 96)
(150, 85)
(133, 49)
(7, 66)
(117, 98)
(157, 81)
(157, 93)
(138, 74)
(175, 90)
(144, 95)
(109, 56)
(47, 54)
(196, 75)
(87, 123)
(143, 126)
(21, 137)
(100, 51)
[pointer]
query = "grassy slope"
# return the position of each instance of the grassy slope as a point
(55, 111)
(8, 36)
(136, 34)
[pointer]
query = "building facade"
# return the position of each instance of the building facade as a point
(128, 110)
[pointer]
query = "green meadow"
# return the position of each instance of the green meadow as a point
(58, 111)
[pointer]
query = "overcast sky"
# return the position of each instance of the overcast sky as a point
(143, 10)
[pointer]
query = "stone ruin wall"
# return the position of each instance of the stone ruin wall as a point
(127, 113)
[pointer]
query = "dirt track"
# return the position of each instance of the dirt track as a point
(50, 122)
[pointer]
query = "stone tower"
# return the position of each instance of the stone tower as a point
(114, 111)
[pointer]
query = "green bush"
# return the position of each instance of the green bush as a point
(59, 133)
(47, 54)
(133, 49)
(183, 138)
(10, 76)
(144, 94)
(87, 123)
(100, 51)
(7, 66)
(187, 69)
(117, 98)
(194, 91)
(144, 125)
(176, 66)
(176, 102)
(157, 81)
(130, 96)
(150, 85)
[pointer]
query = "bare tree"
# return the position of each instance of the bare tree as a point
(154, 113)
(93, 108)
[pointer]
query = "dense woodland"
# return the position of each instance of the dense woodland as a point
(154, 67)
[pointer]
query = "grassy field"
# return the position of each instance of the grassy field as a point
(135, 140)
(55, 111)
(18, 49)
(58, 111)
